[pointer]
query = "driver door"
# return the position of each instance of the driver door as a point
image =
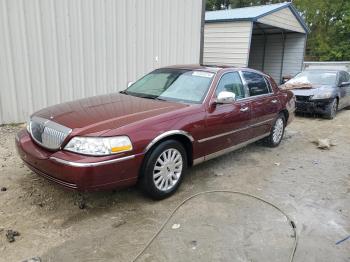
(227, 124)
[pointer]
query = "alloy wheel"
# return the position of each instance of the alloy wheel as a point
(167, 169)
(334, 108)
(278, 130)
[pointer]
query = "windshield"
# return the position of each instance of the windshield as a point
(315, 77)
(178, 85)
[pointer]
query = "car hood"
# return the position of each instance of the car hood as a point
(317, 89)
(99, 114)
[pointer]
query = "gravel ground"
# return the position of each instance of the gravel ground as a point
(311, 185)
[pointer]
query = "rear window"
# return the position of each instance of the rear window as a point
(256, 83)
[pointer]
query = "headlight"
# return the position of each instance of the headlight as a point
(28, 125)
(322, 96)
(99, 146)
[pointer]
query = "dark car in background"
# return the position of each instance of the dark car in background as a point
(320, 91)
(170, 119)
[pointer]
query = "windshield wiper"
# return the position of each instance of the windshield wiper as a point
(143, 95)
(152, 97)
(160, 99)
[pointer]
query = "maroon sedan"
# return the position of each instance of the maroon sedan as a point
(169, 120)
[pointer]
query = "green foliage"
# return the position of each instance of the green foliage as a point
(329, 22)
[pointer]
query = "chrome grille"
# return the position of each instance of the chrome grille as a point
(47, 133)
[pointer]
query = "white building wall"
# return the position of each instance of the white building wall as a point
(58, 50)
(331, 65)
(283, 19)
(227, 43)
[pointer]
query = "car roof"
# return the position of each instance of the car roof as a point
(207, 68)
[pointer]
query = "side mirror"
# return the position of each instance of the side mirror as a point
(130, 83)
(225, 97)
(344, 84)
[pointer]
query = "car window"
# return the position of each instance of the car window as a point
(347, 76)
(343, 77)
(256, 83)
(268, 84)
(231, 82)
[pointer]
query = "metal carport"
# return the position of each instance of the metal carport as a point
(269, 38)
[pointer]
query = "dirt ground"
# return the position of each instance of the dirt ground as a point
(311, 185)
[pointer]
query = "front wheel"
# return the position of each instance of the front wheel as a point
(331, 109)
(163, 169)
(277, 132)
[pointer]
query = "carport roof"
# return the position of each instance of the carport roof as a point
(252, 13)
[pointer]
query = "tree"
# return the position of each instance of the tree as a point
(329, 22)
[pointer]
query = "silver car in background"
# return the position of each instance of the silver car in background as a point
(320, 91)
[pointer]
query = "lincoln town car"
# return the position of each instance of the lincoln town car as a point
(153, 131)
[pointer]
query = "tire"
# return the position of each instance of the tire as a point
(277, 132)
(331, 109)
(166, 162)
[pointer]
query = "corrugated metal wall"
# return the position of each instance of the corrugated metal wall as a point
(292, 59)
(227, 43)
(294, 54)
(273, 56)
(256, 58)
(58, 50)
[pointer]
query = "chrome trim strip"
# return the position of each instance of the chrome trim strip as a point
(168, 133)
(51, 178)
(234, 131)
(222, 134)
(227, 150)
(262, 122)
(91, 164)
(253, 97)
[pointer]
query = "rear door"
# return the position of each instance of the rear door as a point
(227, 124)
(264, 102)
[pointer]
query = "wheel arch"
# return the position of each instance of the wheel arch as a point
(286, 114)
(181, 136)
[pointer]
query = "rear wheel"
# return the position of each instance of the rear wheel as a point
(163, 169)
(277, 132)
(331, 109)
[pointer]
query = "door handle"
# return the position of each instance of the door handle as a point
(244, 109)
(274, 101)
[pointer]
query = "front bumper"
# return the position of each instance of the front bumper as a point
(78, 172)
(312, 106)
